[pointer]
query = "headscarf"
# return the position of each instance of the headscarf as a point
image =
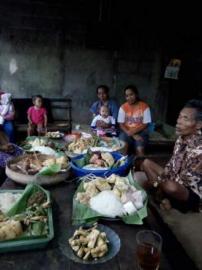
(5, 98)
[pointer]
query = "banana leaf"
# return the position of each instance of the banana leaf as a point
(50, 170)
(84, 160)
(84, 214)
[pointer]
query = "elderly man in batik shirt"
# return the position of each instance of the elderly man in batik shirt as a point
(180, 182)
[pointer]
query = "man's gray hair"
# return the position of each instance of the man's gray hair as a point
(197, 105)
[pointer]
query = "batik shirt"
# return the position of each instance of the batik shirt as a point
(185, 165)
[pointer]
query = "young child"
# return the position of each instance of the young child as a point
(37, 117)
(104, 124)
(5, 106)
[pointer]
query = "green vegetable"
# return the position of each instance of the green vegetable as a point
(39, 228)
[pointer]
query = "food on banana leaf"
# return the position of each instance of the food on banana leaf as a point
(99, 160)
(31, 221)
(10, 229)
(89, 244)
(43, 145)
(33, 163)
(108, 158)
(91, 189)
(82, 144)
(49, 162)
(79, 145)
(38, 142)
(54, 134)
(112, 196)
(102, 185)
(63, 161)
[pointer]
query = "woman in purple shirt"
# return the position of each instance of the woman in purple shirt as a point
(7, 151)
(103, 96)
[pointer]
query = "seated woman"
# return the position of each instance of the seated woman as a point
(103, 96)
(180, 182)
(7, 151)
(7, 112)
(133, 118)
(104, 116)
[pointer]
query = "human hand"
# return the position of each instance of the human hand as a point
(137, 137)
(130, 132)
(101, 124)
(198, 168)
(8, 148)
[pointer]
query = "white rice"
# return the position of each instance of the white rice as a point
(7, 200)
(107, 204)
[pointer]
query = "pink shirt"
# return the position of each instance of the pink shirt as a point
(36, 115)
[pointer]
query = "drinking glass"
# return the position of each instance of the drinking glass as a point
(149, 244)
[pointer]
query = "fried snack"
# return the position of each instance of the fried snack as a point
(10, 229)
(63, 161)
(102, 185)
(108, 158)
(49, 162)
(89, 244)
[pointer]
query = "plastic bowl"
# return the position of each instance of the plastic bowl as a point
(121, 170)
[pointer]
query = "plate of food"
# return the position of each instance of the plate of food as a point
(90, 244)
(43, 145)
(54, 134)
(83, 144)
(109, 197)
(100, 164)
(38, 168)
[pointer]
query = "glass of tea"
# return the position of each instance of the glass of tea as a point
(149, 244)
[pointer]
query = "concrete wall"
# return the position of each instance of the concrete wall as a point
(44, 50)
(27, 69)
(67, 48)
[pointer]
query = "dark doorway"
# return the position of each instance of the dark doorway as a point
(188, 86)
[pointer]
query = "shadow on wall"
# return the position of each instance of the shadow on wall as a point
(81, 111)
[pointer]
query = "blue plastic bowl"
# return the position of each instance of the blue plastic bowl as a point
(121, 170)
